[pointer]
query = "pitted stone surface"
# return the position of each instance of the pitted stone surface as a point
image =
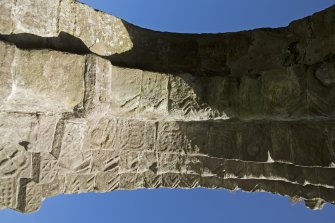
(92, 103)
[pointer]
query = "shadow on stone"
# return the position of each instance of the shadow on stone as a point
(64, 42)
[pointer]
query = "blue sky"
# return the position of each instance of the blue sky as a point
(198, 205)
(201, 16)
(171, 206)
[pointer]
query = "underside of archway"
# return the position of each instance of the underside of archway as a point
(90, 103)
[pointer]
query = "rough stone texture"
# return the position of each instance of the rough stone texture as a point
(92, 103)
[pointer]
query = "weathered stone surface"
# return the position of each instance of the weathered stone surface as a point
(40, 80)
(90, 103)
